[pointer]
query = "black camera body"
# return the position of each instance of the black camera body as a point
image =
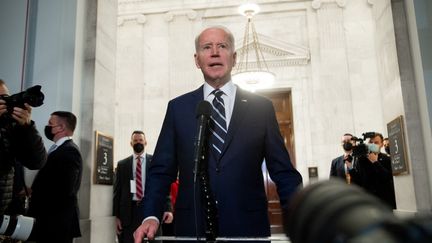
(334, 212)
(32, 96)
(360, 148)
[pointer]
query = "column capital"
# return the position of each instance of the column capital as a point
(138, 18)
(191, 14)
(316, 4)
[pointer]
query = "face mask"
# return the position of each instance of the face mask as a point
(48, 133)
(138, 148)
(387, 149)
(347, 146)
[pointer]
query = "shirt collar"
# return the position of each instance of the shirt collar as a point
(228, 89)
(62, 140)
(142, 156)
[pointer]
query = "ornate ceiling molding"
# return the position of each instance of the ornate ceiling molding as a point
(191, 14)
(136, 18)
(317, 4)
(278, 53)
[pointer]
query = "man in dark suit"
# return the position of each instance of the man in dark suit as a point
(339, 168)
(54, 202)
(128, 193)
(374, 173)
(234, 158)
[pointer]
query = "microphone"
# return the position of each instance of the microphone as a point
(203, 112)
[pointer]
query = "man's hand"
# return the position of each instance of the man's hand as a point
(167, 218)
(147, 229)
(22, 116)
(119, 227)
(373, 157)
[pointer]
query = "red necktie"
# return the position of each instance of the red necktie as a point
(138, 179)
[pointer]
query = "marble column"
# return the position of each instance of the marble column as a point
(330, 92)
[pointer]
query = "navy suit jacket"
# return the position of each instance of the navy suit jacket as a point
(236, 178)
(122, 201)
(338, 168)
(54, 201)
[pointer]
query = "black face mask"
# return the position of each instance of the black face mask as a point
(48, 133)
(138, 148)
(387, 149)
(347, 146)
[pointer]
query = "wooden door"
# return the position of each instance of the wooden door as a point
(283, 107)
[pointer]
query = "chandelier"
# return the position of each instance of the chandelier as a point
(251, 75)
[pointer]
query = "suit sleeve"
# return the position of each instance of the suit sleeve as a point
(333, 168)
(69, 171)
(382, 168)
(163, 170)
(281, 170)
(26, 138)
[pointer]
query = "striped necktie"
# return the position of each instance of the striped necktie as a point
(138, 179)
(218, 126)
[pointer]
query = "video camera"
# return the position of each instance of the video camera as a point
(32, 96)
(362, 149)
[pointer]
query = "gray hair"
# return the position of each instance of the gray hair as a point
(225, 29)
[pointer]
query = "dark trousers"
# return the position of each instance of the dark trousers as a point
(126, 236)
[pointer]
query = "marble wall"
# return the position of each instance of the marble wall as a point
(337, 57)
(323, 51)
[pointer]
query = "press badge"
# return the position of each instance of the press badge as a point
(132, 186)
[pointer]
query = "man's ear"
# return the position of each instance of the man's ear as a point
(197, 61)
(63, 127)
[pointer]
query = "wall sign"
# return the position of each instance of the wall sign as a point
(395, 130)
(104, 159)
(313, 174)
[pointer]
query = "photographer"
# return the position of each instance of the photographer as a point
(373, 171)
(19, 141)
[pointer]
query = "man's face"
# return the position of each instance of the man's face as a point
(215, 56)
(377, 140)
(138, 138)
(347, 143)
(346, 139)
(57, 127)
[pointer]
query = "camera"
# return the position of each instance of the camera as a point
(334, 212)
(17, 227)
(362, 149)
(32, 96)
